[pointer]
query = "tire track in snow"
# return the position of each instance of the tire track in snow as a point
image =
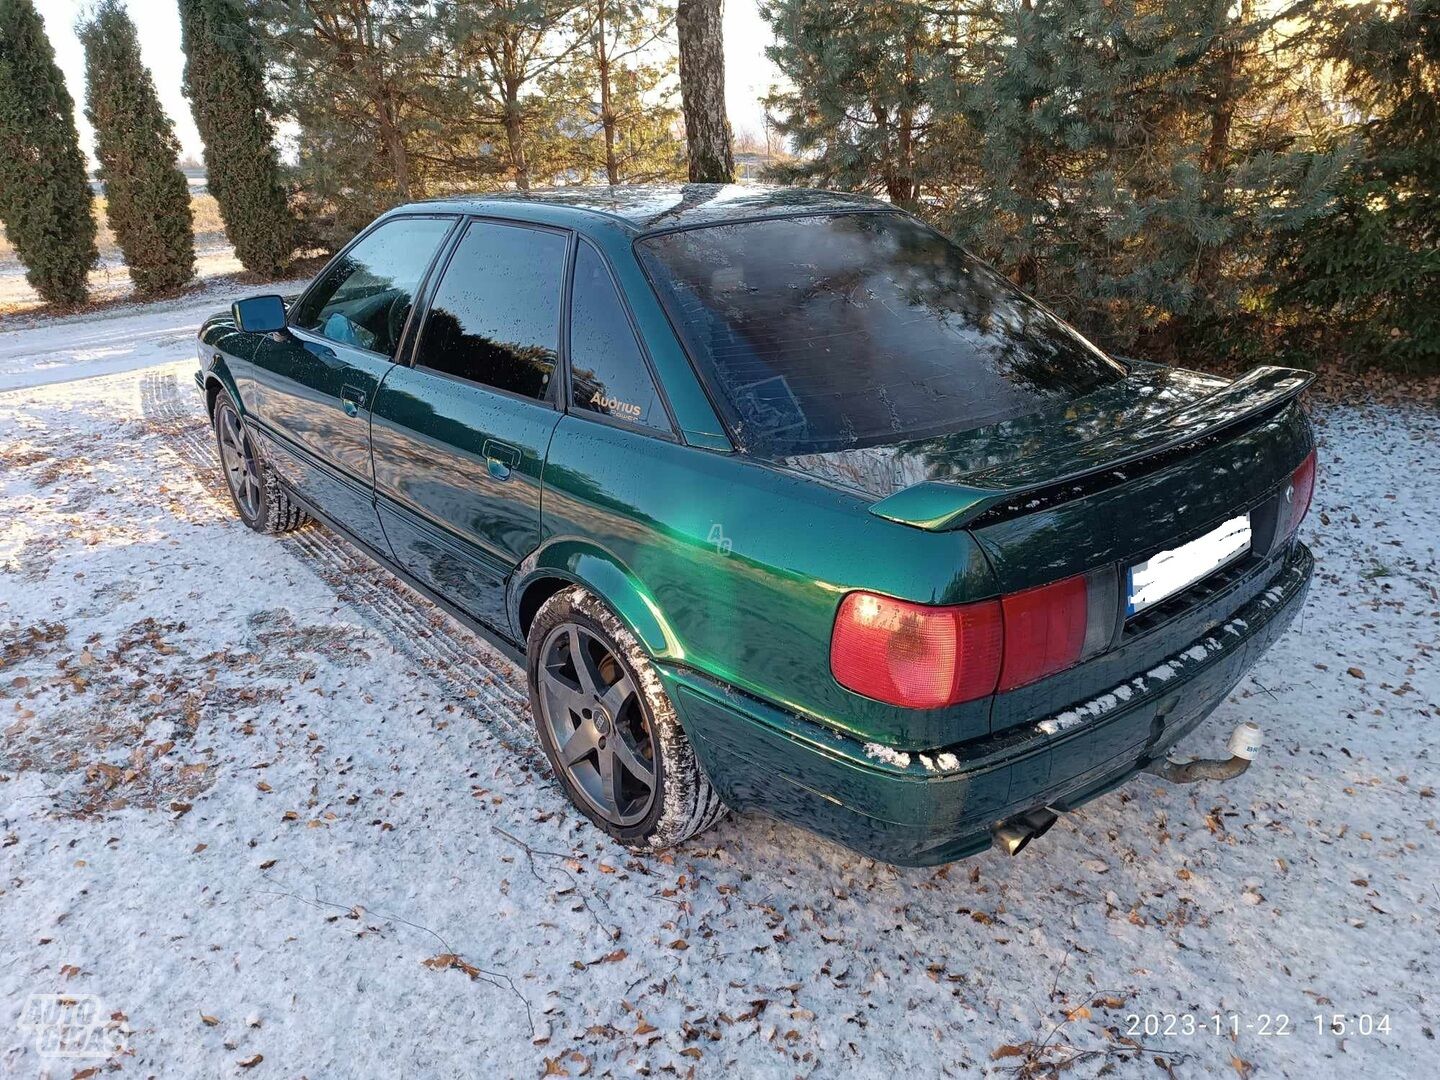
(484, 683)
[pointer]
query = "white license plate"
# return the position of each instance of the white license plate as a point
(1163, 575)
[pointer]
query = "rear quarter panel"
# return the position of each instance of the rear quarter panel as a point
(745, 566)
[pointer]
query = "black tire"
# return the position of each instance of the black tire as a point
(682, 801)
(259, 497)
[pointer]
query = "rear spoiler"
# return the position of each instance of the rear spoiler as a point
(936, 505)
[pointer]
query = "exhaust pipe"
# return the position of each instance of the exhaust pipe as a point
(1245, 743)
(1012, 835)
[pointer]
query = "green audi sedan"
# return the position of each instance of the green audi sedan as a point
(784, 501)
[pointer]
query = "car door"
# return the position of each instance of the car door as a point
(460, 436)
(314, 384)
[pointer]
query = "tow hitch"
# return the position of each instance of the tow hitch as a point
(1244, 745)
(1014, 834)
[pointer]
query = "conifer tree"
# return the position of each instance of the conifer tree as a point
(360, 79)
(224, 80)
(620, 93)
(508, 49)
(856, 105)
(1119, 158)
(45, 199)
(147, 196)
(1369, 266)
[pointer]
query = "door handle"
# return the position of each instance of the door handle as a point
(352, 400)
(500, 458)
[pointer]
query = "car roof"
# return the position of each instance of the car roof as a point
(650, 208)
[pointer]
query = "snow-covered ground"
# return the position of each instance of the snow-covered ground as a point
(126, 337)
(283, 818)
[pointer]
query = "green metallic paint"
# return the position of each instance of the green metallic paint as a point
(730, 568)
(749, 592)
(933, 808)
(581, 561)
(455, 524)
(936, 506)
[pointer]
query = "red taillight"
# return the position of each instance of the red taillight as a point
(1297, 496)
(1044, 631)
(925, 657)
(916, 655)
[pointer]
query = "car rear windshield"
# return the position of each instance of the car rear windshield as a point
(836, 331)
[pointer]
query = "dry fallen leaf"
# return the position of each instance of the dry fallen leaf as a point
(209, 1021)
(451, 960)
(250, 1063)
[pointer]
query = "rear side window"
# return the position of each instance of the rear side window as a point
(365, 296)
(495, 317)
(608, 373)
(826, 333)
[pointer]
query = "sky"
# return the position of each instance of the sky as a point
(748, 72)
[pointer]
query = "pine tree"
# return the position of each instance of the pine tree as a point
(1368, 268)
(702, 90)
(360, 80)
(856, 107)
(507, 49)
(1132, 156)
(621, 94)
(45, 199)
(224, 80)
(147, 196)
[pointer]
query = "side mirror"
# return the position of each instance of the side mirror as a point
(259, 314)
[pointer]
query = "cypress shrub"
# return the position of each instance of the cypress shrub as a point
(45, 199)
(224, 80)
(148, 196)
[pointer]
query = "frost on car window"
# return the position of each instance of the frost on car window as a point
(827, 332)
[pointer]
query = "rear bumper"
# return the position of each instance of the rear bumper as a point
(924, 809)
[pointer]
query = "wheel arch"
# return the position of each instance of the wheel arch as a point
(573, 561)
(218, 377)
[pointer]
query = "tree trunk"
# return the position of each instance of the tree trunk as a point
(1217, 155)
(512, 80)
(394, 148)
(607, 114)
(905, 191)
(702, 91)
(515, 141)
(1027, 267)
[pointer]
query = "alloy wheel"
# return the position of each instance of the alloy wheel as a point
(237, 455)
(593, 716)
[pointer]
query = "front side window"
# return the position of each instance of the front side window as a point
(495, 317)
(608, 374)
(826, 333)
(365, 296)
